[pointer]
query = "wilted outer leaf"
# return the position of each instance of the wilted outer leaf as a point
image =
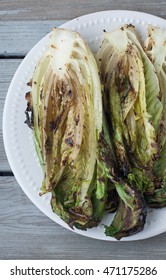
(131, 213)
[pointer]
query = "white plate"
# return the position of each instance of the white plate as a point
(18, 138)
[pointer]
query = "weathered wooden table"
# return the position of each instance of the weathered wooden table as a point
(24, 231)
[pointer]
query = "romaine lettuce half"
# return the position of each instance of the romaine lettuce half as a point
(125, 81)
(69, 130)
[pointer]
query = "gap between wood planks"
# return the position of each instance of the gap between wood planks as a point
(6, 173)
(11, 56)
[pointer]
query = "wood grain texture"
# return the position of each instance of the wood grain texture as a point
(68, 9)
(17, 39)
(7, 70)
(28, 233)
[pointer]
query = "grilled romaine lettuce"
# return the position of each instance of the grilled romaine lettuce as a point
(155, 48)
(101, 141)
(126, 88)
(125, 96)
(68, 129)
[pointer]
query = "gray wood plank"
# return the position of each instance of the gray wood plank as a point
(25, 232)
(4, 165)
(68, 9)
(7, 69)
(17, 39)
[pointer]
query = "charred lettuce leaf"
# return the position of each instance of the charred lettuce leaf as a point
(131, 128)
(104, 178)
(152, 89)
(131, 213)
(156, 50)
(68, 124)
(124, 82)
